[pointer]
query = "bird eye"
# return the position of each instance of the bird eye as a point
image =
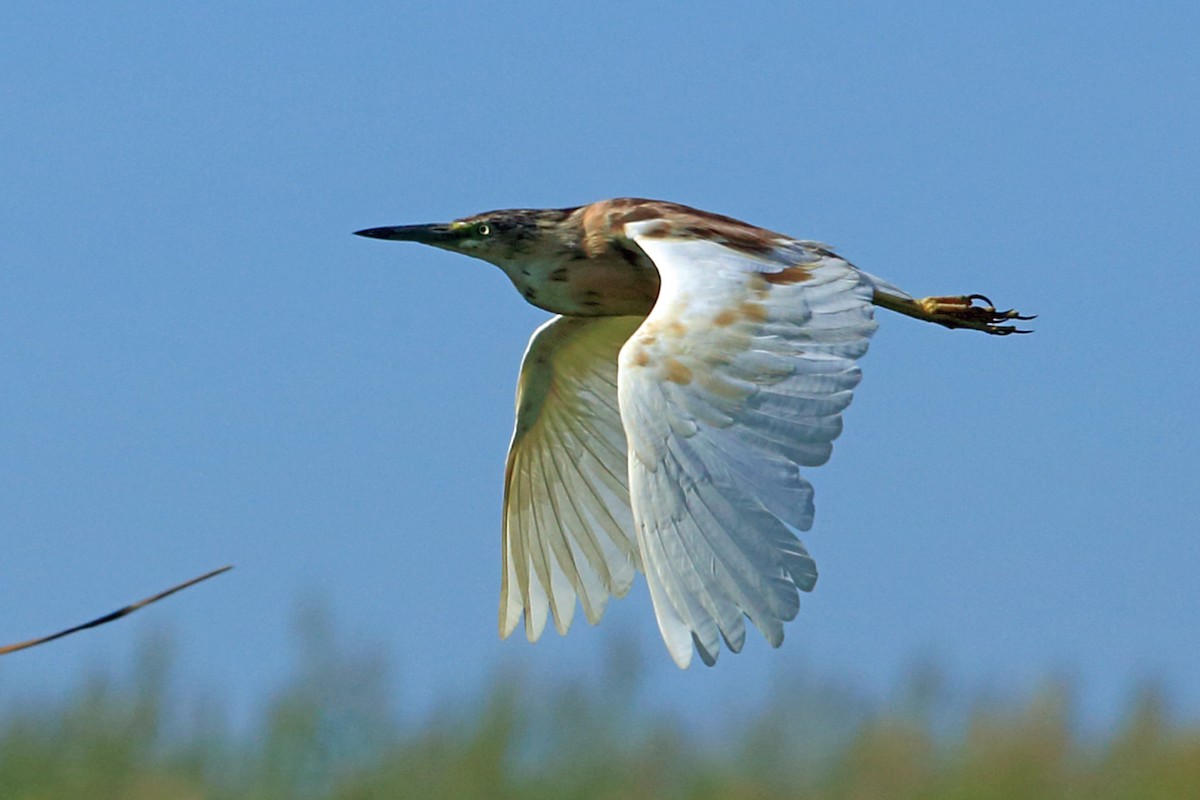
(483, 229)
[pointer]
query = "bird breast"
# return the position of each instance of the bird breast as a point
(609, 284)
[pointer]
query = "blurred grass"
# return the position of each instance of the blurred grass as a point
(334, 732)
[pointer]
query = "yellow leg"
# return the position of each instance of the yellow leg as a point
(953, 312)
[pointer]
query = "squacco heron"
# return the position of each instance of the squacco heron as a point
(697, 364)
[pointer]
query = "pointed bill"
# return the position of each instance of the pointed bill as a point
(434, 234)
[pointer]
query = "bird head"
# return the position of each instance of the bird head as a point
(500, 237)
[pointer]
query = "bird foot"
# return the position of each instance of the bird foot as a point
(961, 312)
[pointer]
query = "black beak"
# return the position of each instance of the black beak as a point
(435, 234)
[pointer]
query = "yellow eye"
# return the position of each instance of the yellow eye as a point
(483, 229)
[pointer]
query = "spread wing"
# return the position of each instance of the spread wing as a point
(567, 522)
(736, 380)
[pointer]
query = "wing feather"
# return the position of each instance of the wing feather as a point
(736, 379)
(567, 526)
(579, 555)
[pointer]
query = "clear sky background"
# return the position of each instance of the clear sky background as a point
(200, 365)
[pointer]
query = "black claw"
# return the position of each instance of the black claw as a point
(985, 300)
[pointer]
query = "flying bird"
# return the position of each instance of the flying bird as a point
(695, 365)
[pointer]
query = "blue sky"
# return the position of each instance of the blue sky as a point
(201, 365)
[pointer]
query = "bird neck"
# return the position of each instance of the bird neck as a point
(579, 264)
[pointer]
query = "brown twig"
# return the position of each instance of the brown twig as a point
(115, 615)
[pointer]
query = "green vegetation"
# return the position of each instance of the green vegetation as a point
(334, 733)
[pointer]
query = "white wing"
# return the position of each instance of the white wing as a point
(736, 379)
(567, 522)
